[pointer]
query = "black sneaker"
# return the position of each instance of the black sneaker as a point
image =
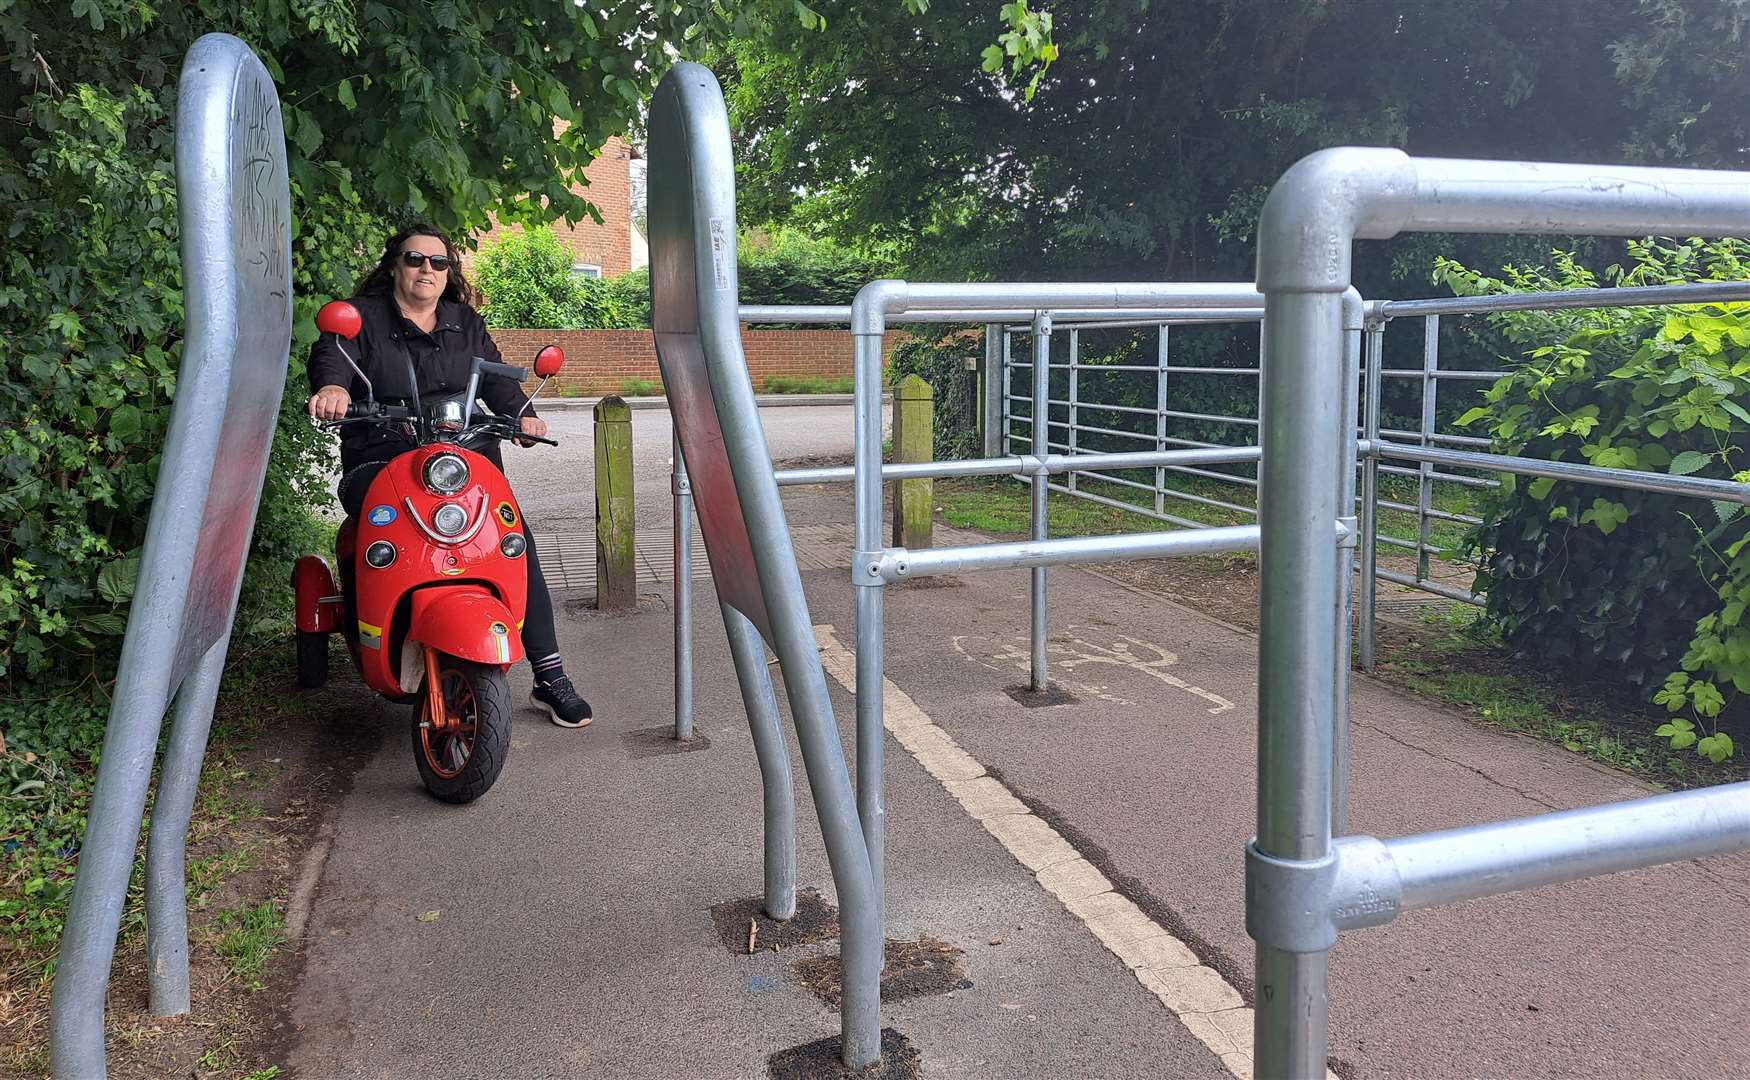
(560, 699)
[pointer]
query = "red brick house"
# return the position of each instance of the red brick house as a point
(603, 250)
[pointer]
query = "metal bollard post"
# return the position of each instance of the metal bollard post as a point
(683, 596)
(1041, 449)
(616, 551)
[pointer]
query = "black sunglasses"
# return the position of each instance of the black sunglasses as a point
(417, 259)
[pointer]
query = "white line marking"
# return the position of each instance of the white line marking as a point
(1208, 1006)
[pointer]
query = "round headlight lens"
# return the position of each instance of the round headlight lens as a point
(380, 554)
(446, 474)
(449, 520)
(513, 545)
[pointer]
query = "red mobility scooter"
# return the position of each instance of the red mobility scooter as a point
(432, 585)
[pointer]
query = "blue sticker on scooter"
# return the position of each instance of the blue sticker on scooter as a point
(382, 515)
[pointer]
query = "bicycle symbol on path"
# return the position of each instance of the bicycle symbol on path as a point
(1077, 654)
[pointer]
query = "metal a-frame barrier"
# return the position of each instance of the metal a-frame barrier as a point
(753, 563)
(1302, 885)
(234, 211)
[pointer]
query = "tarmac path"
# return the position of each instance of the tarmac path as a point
(573, 933)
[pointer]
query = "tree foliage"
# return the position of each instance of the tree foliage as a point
(392, 109)
(1154, 135)
(1622, 587)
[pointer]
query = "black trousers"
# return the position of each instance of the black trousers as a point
(540, 638)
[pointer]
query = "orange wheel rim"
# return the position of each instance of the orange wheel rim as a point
(447, 740)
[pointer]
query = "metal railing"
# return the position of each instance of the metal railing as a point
(1094, 416)
(1305, 882)
(1080, 419)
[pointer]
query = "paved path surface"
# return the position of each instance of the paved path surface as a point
(574, 938)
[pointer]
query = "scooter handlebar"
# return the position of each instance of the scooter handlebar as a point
(509, 371)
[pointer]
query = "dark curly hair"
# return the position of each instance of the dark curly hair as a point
(381, 279)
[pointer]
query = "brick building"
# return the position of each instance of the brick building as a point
(603, 250)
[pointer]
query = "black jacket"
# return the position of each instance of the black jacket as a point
(441, 359)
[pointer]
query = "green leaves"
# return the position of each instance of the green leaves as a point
(1612, 584)
(1605, 514)
(1689, 461)
(124, 422)
(1026, 43)
(528, 281)
(1716, 747)
(117, 579)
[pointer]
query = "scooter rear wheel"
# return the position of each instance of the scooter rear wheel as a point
(460, 760)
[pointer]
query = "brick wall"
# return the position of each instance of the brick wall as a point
(601, 361)
(608, 245)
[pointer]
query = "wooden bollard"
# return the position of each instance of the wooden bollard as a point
(913, 440)
(616, 549)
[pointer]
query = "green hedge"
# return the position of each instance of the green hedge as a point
(942, 362)
(1625, 588)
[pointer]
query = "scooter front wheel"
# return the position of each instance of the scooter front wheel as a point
(460, 752)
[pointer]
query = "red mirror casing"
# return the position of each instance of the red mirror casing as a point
(548, 361)
(339, 317)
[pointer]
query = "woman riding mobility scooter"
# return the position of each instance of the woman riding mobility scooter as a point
(432, 586)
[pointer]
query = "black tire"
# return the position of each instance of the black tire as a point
(312, 659)
(459, 766)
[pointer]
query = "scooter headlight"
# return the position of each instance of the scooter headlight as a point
(450, 519)
(446, 474)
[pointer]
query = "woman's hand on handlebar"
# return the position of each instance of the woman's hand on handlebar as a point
(330, 402)
(533, 425)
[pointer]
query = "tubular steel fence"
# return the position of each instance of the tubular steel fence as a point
(1409, 504)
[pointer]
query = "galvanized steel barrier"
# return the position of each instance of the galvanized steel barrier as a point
(759, 589)
(1302, 886)
(235, 222)
(1304, 881)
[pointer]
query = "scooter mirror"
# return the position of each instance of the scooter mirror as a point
(548, 361)
(339, 317)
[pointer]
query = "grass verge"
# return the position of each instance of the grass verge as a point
(42, 825)
(808, 384)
